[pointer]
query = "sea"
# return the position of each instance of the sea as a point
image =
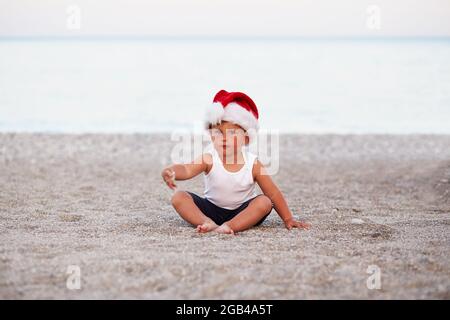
(146, 85)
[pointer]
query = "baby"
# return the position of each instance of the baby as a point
(230, 203)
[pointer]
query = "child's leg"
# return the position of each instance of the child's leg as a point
(188, 210)
(247, 218)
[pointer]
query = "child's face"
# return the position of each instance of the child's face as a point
(228, 137)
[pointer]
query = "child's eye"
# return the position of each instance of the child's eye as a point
(232, 132)
(215, 132)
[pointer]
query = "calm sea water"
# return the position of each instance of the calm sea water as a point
(162, 85)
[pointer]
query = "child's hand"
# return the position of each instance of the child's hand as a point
(292, 223)
(168, 176)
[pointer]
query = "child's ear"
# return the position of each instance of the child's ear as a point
(209, 131)
(247, 139)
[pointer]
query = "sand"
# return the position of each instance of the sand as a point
(97, 202)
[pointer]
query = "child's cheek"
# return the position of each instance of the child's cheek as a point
(238, 140)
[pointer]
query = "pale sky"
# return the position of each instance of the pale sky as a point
(225, 18)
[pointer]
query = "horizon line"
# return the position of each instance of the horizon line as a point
(219, 38)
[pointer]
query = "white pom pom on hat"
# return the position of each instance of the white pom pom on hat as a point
(235, 107)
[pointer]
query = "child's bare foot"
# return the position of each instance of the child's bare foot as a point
(224, 228)
(207, 226)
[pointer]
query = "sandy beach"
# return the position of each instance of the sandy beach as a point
(98, 202)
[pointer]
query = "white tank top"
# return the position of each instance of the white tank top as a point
(228, 189)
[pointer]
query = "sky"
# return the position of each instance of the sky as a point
(304, 18)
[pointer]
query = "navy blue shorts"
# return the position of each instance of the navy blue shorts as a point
(220, 215)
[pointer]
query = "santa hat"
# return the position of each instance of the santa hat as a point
(235, 107)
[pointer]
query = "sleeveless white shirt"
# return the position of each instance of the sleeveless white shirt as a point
(228, 189)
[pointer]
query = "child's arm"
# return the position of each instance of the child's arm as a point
(270, 189)
(185, 171)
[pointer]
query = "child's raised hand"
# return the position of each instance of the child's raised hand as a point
(168, 176)
(292, 223)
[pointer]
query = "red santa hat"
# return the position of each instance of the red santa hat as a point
(235, 107)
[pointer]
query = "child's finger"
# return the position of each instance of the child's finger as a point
(167, 173)
(171, 179)
(305, 226)
(172, 185)
(171, 182)
(300, 225)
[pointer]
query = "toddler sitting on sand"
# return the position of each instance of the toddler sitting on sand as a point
(230, 202)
